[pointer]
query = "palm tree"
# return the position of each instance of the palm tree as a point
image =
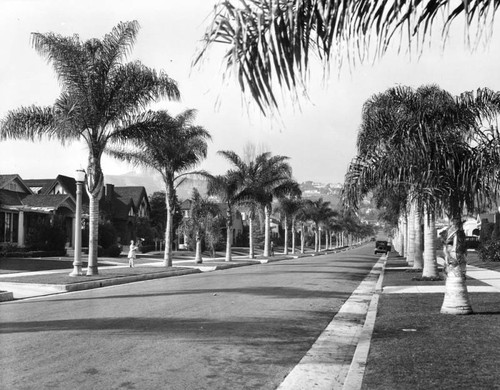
(172, 146)
(318, 211)
(272, 40)
(228, 188)
(261, 179)
(434, 155)
(273, 181)
(99, 93)
(201, 220)
(288, 207)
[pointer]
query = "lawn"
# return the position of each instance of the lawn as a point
(415, 347)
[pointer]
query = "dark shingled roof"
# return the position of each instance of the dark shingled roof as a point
(51, 201)
(69, 183)
(11, 198)
(134, 193)
(4, 179)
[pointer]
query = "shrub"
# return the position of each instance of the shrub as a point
(107, 235)
(113, 251)
(147, 248)
(45, 237)
(489, 251)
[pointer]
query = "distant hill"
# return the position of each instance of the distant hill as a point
(153, 183)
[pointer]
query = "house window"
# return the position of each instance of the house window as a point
(9, 223)
(131, 212)
(186, 213)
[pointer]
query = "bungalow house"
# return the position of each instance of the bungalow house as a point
(124, 207)
(24, 203)
(21, 209)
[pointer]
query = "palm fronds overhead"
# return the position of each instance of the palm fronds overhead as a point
(271, 42)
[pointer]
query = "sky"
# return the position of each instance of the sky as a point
(318, 134)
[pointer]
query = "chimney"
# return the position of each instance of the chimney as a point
(110, 190)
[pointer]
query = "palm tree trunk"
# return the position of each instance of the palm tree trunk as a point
(229, 234)
(267, 225)
(411, 236)
(302, 238)
(456, 298)
(95, 184)
(167, 255)
(169, 200)
(286, 236)
(418, 261)
(198, 258)
(93, 235)
(316, 238)
(293, 236)
(430, 261)
(251, 253)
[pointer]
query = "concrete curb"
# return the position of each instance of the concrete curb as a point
(328, 363)
(59, 288)
(6, 296)
(356, 372)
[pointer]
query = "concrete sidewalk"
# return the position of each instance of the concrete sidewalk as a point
(338, 358)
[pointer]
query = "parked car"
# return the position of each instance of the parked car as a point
(382, 247)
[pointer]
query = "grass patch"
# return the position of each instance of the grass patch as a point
(473, 259)
(64, 278)
(444, 351)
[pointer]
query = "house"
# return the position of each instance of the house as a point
(25, 203)
(185, 208)
(21, 209)
(124, 207)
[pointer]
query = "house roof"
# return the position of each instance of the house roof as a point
(35, 202)
(134, 193)
(123, 199)
(42, 184)
(5, 179)
(67, 182)
(11, 198)
(46, 201)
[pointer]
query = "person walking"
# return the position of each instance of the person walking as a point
(272, 248)
(132, 254)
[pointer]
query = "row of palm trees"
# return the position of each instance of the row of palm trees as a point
(430, 154)
(104, 101)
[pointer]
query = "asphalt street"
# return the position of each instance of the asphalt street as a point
(241, 328)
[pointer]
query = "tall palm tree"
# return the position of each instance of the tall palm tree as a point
(228, 188)
(288, 207)
(201, 219)
(172, 146)
(99, 92)
(318, 211)
(271, 40)
(261, 179)
(274, 181)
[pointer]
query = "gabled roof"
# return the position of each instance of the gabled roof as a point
(134, 193)
(48, 201)
(35, 202)
(42, 184)
(67, 182)
(6, 179)
(11, 198)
